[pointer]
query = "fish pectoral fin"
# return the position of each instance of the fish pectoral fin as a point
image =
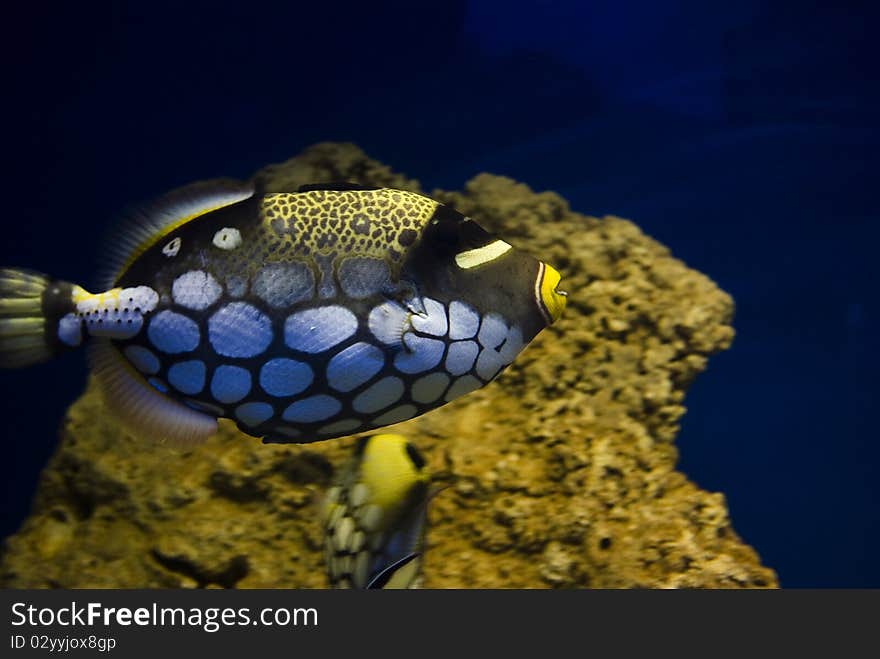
(143, 411)
(406, 293)
(389, 322)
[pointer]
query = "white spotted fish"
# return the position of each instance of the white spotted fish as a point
(374, 516)
(302, 316)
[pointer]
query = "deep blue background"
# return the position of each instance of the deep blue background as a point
(744, 139)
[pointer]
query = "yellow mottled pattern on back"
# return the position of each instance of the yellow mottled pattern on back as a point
(379, 223)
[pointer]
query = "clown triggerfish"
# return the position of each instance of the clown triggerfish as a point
(301, 316)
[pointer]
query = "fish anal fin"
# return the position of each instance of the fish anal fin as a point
(143, 411)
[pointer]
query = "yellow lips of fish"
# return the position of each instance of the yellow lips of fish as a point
(552, 299)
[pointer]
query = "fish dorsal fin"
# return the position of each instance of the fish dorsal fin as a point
(147, 225)
(143, 411)
(337, 186)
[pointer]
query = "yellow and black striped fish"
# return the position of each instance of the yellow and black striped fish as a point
(302, 316)
(374, 516)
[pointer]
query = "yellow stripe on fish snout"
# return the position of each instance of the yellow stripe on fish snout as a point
(480, 255)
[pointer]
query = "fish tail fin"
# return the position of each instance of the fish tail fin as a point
(33, 327)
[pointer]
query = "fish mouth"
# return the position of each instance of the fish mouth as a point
(551, 298)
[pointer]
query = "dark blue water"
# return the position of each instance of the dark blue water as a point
(746, 139)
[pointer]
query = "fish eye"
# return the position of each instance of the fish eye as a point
(172, 248)
(447, 233)
(446, 228)
(457, 232)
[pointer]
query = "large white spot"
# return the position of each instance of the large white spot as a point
(188, 377)
(429, 388)
(489, 363)
(285, 377)
(398, 414)
(314, 408)
(421, 354)
(512, 346)
(316, 330)
(239, 330)
(464, 321)
(463, 385)
(388, 321)
(196, 290)
(227, 238)
(173, 333)
(380, 395)
(491, 360)
(281, 285)
(362, 277)
(461, 356)
(353, 366)
(139, 299)
(493, 331)
(230, 383)
(435, 320)
(143, 359)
